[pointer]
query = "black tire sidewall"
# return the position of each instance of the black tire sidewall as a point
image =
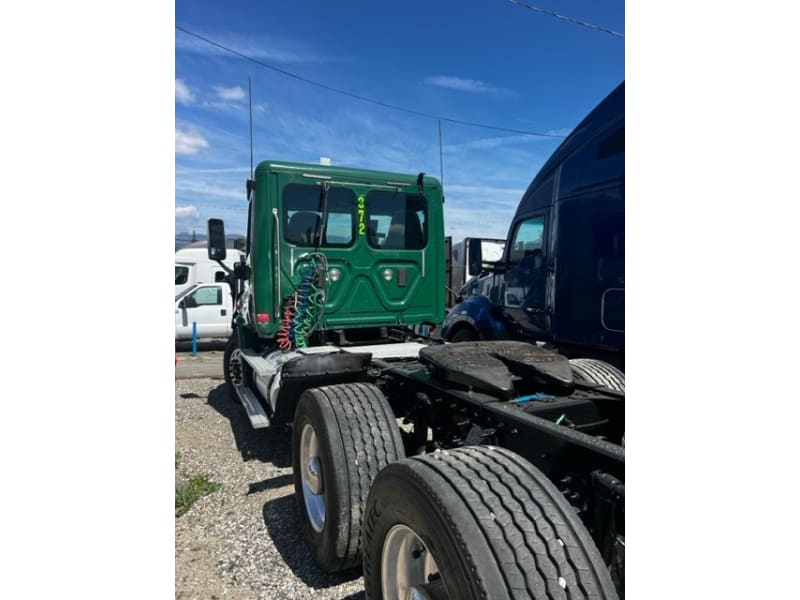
(436, 497)
(454, 549)
(328, 546)
(465, 334)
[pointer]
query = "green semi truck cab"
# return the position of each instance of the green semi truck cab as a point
(347, 248)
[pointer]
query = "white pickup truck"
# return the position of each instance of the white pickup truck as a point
(210, 305)
(192, 266)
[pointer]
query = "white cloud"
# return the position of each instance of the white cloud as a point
(233, 93)
(479, 210)
(187, 212)
(493, 142)
(189, 142)
(182, 92)
(260, 47)
(460, 84)
(193, 187)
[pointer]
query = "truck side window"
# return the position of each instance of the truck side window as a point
(181, 275)
(398, 221)
(527, 240)
(206, 295)
(302, 215)
(526, 274)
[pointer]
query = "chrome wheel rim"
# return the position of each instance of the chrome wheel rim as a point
(408, 569)
(311, 478)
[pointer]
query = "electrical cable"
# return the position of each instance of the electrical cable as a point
(568, 19)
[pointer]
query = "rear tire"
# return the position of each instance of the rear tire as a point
(465, 334)
(597, 371)
(475, 523)
(342, 436)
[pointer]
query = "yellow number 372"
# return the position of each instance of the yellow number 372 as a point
(362, 226)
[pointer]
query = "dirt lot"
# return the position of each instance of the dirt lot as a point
(243, 541)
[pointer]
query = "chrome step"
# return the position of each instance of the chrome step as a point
(255, 412)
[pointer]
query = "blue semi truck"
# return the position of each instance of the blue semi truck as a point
(561, 279)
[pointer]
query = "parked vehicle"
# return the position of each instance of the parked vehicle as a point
(561, 280)
(208, 307)
(491, 251)
(192, 266)
(461, 471)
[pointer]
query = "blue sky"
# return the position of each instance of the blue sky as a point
(485, 61)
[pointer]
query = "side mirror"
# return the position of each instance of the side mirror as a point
(181, 304)
(216, 239)
(475, 256)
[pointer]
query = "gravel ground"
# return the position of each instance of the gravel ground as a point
(244, 541)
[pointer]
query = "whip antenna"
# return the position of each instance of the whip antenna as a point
(250, 101)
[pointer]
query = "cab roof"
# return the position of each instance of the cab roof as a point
(362, 175)
(610, 109)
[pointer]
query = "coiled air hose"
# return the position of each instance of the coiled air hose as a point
(285, 330)
(302, 310)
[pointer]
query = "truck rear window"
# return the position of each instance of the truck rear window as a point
(181, 275)
(396, 220)
(302, 215)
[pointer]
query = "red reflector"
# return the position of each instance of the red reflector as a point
(262, 317)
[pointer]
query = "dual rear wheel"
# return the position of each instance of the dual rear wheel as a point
(343, 435)
(476, 522)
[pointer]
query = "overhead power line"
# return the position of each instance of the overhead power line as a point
(568, 19)
(357, 96)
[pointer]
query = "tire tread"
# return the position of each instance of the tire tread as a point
(597, 371)
(362, 415)
(521, 517)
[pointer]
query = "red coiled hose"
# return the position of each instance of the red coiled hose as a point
(284, 332)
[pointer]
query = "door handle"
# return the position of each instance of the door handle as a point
(223, 312)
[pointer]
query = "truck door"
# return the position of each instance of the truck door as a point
(207, 307)
(523, 289)
(590, 285)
